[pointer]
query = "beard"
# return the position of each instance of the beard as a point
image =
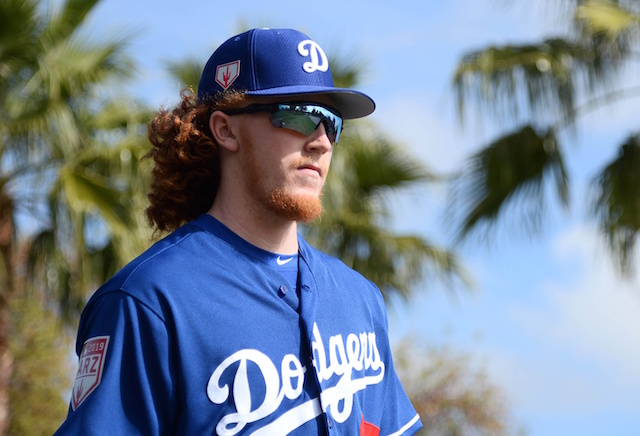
(301, 208)
(305, 209)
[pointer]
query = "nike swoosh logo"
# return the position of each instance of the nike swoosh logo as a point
(283, 262)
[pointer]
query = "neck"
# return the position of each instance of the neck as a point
(258, 227)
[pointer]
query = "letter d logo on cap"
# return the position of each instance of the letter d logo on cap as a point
(316, 53)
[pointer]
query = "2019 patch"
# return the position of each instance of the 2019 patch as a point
(90, 369)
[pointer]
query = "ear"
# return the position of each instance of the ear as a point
(222, 128)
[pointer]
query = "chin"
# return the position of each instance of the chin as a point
(304, 208)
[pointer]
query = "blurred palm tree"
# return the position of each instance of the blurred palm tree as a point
(543, 88)
(366, 168)
(68, 160)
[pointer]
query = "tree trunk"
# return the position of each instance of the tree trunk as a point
(6, 292)
(6, 363)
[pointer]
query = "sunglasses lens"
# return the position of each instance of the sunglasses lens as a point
(306, 119)
(299, 121)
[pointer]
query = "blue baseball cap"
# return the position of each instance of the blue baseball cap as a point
(277, 62)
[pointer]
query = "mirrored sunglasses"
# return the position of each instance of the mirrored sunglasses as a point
(301, 117)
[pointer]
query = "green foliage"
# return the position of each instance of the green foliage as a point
(70, 149)
(186, 72)
(41, 370)
(17, 39)
(546, 86)
(616, 202)
(514, 165)
(69, 160)
(607, 17)
(347, 74)
(365, 170)
(540, 77)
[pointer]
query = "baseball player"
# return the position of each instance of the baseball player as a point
(233, 324)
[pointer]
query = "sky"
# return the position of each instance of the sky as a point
(548, 317)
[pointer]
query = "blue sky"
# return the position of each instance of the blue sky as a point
(547, 317)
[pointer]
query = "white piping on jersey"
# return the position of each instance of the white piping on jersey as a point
(407, 426)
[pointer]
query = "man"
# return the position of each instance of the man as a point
(233, 324)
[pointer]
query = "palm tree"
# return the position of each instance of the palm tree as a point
(366, 169)
(543, 88)
(68, 152)
(16, 41)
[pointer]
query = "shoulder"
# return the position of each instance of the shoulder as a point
(166, 265)
(318, 260)
(331, 271)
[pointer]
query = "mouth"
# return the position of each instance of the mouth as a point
(311, 169)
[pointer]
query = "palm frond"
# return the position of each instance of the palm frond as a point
(50, 273)
(396, 263)
(354, 227)
(121, 114)
(379, 164)
(616, 202)
(510, 171)
(541, 80)
(70, 149)
(71, 66)
(17, 36)
(347, 71)
(607, 17)
(87, 192)
(70, 17)
(186, 73)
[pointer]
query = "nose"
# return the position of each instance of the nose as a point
(319, 141)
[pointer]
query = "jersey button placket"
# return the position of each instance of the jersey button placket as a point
(283, 290)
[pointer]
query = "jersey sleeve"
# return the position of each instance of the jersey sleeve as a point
(125, 382)
(399, 417)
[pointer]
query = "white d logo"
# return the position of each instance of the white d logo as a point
(318, 60)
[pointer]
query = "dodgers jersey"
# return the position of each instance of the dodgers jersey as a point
(202, 334)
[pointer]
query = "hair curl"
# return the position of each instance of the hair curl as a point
(186, 171)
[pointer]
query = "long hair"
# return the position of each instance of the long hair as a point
(186, 170)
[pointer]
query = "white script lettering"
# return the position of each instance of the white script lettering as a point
(318, 60)
(358, 352)
(361, 354)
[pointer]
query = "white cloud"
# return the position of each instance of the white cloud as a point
(584, 351)
(599, 312)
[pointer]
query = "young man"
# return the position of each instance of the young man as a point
(233, 324)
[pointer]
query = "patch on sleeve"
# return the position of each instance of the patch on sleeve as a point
(90, 369)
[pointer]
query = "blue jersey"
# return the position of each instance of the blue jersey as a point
(203, 334)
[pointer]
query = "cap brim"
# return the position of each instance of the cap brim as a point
(351, 104)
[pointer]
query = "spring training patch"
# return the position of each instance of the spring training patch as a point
(90, 369)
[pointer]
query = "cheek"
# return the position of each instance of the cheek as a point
(328, 156)
(327, 165)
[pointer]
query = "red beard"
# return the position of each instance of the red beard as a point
(301, 208)
(295, 208)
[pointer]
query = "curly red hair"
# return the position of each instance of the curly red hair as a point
(186, 173)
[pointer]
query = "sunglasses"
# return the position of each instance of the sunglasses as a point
(301, 117)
